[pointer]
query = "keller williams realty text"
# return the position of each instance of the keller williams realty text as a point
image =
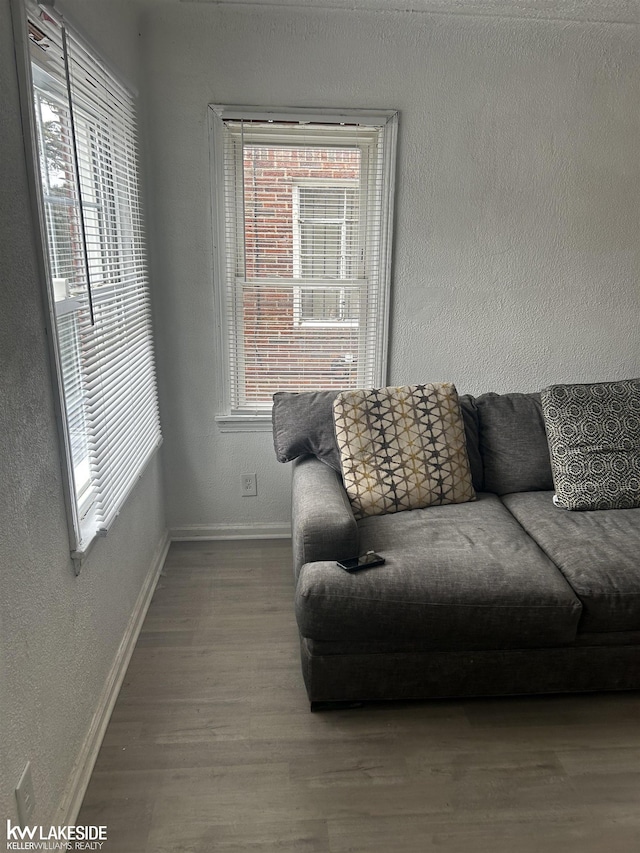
(56, 837)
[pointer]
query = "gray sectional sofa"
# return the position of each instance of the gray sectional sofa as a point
(507, 594)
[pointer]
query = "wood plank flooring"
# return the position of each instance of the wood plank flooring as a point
(212, 747)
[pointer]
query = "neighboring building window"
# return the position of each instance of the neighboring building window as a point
(85, 135)
(326, 248)
(302, 217)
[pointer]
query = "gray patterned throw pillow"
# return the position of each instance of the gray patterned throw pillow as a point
(594, 444)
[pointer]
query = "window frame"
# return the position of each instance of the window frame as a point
(85, 524)
(385, 121)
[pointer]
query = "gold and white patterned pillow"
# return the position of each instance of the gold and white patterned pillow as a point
(402, 448)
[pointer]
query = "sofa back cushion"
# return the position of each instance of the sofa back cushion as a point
(303, 425)
(513, 443)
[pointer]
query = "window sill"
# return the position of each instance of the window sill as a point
(90, 532)
(90, 528)
(245, 423)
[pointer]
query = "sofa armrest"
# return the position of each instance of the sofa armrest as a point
(323, 525)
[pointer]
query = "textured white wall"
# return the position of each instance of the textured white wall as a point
(517, 209)
(58, 633)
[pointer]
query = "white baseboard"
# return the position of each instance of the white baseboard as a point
(191, 532)
(83, 768)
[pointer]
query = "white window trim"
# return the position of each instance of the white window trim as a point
(236, 421)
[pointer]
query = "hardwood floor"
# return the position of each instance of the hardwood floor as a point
(212, 747)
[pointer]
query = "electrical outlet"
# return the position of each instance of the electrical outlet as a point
(248, 485)
(25, 796)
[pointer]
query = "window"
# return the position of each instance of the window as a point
(325, 247)
(302, 221)
(83, 121)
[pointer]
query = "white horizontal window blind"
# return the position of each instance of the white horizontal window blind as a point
(95, 249)
(303, 206)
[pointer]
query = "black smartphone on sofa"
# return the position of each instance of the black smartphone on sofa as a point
(365, 561)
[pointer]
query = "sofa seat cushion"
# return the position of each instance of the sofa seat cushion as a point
(598, 552)
(462, 575)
